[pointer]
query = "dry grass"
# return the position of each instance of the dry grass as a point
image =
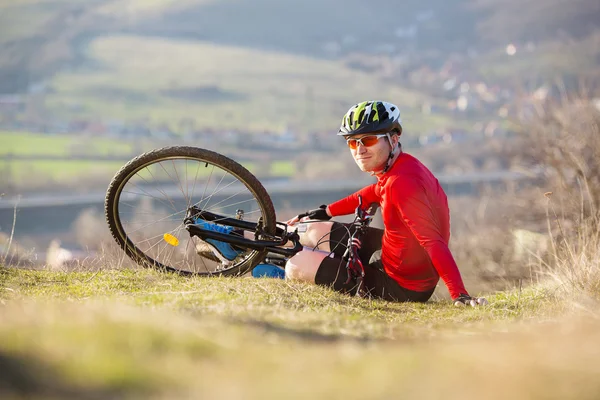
(562, 139)
(134, 334)
(526, 234)
(575, 262)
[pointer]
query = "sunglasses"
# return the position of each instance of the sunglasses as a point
(366, 141)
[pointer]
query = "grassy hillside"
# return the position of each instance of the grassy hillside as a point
(141, 334)
(40, 37)
(307, 27)
(248, 64)
(217, 86)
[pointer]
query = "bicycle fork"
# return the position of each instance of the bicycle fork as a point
(355, 267)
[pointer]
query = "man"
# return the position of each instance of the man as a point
(404, 261)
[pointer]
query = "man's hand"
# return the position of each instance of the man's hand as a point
(466, 300)
(318, 214)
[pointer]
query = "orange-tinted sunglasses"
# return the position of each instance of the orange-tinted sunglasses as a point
(366, 141)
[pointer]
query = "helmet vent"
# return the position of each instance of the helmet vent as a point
(383, 114)
(371, 116)
(361, 116)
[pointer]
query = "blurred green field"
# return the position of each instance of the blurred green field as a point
(58, 171)
(42, 173)
(167, 81)
(141, 334)
(283, 168)
(43, 144)
(26, 174)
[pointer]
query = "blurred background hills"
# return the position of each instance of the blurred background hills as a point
(267, 64)
(109, 79)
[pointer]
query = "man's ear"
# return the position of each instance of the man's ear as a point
(396, 141)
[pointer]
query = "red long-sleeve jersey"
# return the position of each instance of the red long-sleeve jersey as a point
(416, 217)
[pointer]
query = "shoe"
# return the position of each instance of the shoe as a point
(268, 271)
(223, 251)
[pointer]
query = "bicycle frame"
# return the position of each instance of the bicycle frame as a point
(274, 246)
(354, 265)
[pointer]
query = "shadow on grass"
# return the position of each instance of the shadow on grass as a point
(22, 377)
(304, 334)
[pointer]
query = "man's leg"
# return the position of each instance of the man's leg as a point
(316, 237)
(333, 237)
(326, 267)
(314, 234)
(320, 268)
(304, 265)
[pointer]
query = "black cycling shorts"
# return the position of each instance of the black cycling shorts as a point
(332, 271)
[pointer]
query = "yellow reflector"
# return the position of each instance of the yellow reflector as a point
(172, 240)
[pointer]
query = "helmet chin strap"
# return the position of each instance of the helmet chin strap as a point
(392, 153)
(390, 156)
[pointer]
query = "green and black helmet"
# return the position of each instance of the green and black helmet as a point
(371, 117)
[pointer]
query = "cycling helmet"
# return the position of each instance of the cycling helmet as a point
(374, 117)
(371, 117)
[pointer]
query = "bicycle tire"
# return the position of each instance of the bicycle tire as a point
(201, 155)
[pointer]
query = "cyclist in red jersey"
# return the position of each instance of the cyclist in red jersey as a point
(404, 261)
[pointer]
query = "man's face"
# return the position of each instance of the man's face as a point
(372, 158)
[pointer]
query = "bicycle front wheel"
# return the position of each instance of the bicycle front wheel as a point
(149, 198)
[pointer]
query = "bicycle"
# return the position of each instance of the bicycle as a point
(153, 213)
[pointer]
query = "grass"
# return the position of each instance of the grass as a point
(139, 333)
(260, 89)
(310, 308)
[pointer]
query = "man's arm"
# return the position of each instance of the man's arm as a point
(348, 204)
(341, 207)
(416, 211)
